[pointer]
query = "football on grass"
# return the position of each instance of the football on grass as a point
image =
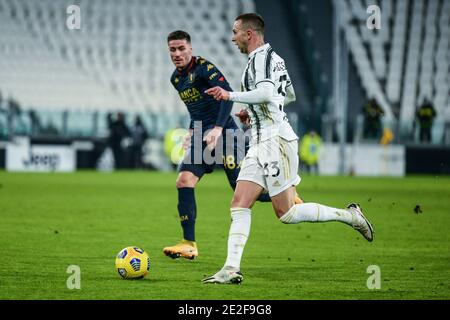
(132, 263)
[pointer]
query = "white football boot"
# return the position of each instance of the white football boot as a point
(360, 222)
(227, 275)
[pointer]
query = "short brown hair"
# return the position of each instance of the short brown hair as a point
(179, 35)
(252, 21)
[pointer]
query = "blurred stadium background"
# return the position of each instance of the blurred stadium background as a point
(58, 85)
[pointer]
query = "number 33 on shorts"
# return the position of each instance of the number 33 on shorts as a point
(272, 164)
(271, 169)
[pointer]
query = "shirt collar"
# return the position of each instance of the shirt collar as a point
(187, 68)
(262, 48)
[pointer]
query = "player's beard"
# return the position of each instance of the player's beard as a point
(243, 47)
(184, 62)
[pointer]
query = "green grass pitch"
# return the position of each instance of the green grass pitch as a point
(51, 221)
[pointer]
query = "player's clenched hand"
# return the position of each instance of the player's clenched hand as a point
(212, 137)
(243, 116)
(187, 140)
(218, 93)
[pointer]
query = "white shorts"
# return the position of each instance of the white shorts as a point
(272, 164)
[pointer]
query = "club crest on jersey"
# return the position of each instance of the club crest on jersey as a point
(191, 77)
(209, 67)
(177, 80)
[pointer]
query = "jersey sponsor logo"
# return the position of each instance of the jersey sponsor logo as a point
(213, 76)
(190, 95)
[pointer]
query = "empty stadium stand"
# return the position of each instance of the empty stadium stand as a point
(406, 61)
(117, 60)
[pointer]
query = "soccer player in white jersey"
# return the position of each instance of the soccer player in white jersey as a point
(272, 161)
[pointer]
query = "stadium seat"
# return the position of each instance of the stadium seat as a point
(391, 63)
(117, 60)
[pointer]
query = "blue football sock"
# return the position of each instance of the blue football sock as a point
(187, 209)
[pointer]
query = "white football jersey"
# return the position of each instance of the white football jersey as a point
(269, 119)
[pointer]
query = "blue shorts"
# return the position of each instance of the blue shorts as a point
(227, 154)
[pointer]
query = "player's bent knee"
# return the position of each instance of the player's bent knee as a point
(281, 208)
(186, 180)
(283, 202)
(239, 202)
(185, 183)
(280, 212)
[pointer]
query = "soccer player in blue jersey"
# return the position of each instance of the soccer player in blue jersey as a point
(192, 77)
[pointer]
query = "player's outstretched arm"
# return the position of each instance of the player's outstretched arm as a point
(218, 93)
(261, 94)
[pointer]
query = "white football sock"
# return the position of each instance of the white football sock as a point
(239, 231)
(313, 212)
